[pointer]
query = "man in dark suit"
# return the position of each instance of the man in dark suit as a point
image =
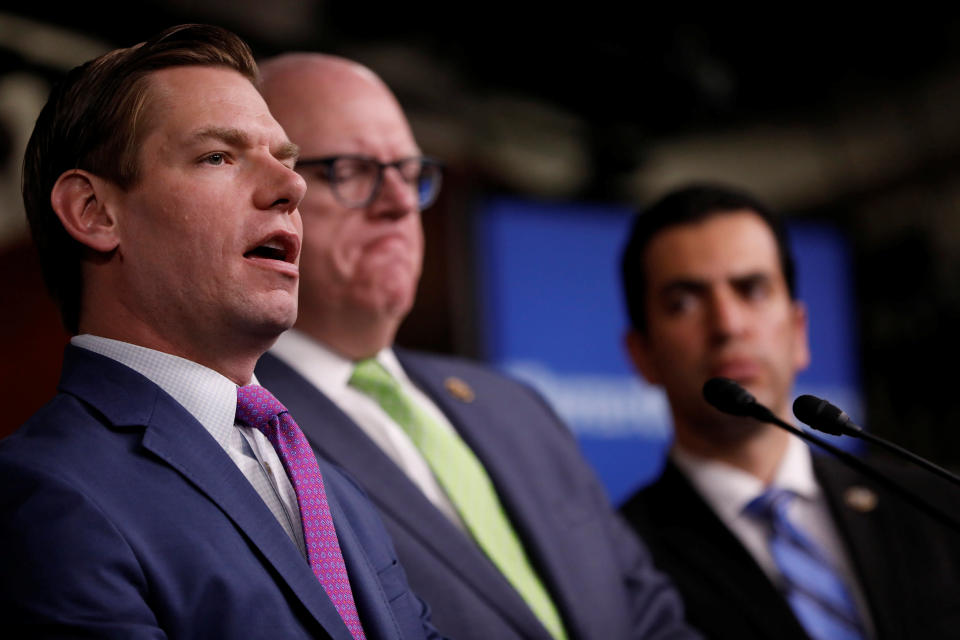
(709, 285)
(498, 519)
(159, 494)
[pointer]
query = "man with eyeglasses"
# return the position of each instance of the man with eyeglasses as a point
(498, 520)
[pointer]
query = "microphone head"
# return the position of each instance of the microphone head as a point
(729, 397)
(820, 414)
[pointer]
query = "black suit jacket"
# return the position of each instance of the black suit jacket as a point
(600, 577)
(907, 565)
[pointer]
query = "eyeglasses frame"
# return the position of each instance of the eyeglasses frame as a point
(327, 162)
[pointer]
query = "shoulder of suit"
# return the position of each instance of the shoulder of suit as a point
(63, 418)
(831, 471)
(863, 494)
(477, 384)
(452, 366)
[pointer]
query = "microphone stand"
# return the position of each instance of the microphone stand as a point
(922, 462)
(746, 405)
(839, 423)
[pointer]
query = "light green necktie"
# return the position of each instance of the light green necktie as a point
(466, 483)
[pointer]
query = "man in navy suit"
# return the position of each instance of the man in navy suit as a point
(709, 283)
(584, 575)
(144, 501)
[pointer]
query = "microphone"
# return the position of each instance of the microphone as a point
(823, 416)
(730, 397)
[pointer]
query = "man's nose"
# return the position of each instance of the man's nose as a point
(727, 314)
(281, 188)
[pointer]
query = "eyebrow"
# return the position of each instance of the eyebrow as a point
(751, 278)
(237, 138)
(697, 284)
(683, 284)
(287, 151)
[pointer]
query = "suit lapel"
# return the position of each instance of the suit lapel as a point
(866, 538)
(377, 619)
(336, 438)
(128, 399)
(531, 522)
(695, 534)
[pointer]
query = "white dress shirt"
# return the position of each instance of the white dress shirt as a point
(212, 399)
(330, 373)
(728, 490)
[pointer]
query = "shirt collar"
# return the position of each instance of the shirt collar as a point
(208, 396)
(796, 471)
(324, 368)
(728, 489)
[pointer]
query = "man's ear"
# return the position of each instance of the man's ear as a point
(79, 199)
(638, 348)
(801, 336)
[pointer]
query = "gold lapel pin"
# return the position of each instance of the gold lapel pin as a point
(459, 389)
(861, 499)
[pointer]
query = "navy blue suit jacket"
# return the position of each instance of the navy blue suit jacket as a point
(121, 517)
(599, 575)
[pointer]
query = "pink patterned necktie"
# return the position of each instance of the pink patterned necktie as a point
(258, 408)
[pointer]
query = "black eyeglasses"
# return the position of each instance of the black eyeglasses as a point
(355, 180)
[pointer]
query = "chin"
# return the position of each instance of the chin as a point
(274, 319)
(265, 331)
(283, 321)
(398, 306)
(390, 300)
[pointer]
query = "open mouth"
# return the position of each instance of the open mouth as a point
(281, 247)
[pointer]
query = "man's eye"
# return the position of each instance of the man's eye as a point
(679, 303)
(411, 169)
(215, 159)
(354, 170)
(343, 172)
(755, 289)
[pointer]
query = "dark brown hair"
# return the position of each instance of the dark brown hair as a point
(96, 119)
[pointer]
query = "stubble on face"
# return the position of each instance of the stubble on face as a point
(210, 232)
(718, 306)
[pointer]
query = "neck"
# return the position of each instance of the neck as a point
(751, 446)
(355, 339)
(234, 361)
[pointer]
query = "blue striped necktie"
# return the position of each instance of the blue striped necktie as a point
(811, 584)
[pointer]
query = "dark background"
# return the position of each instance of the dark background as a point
(853, 119)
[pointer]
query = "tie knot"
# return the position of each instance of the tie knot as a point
(771, 504)
(369, 375)
(256, 406)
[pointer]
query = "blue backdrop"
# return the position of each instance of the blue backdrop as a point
(552, 315)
